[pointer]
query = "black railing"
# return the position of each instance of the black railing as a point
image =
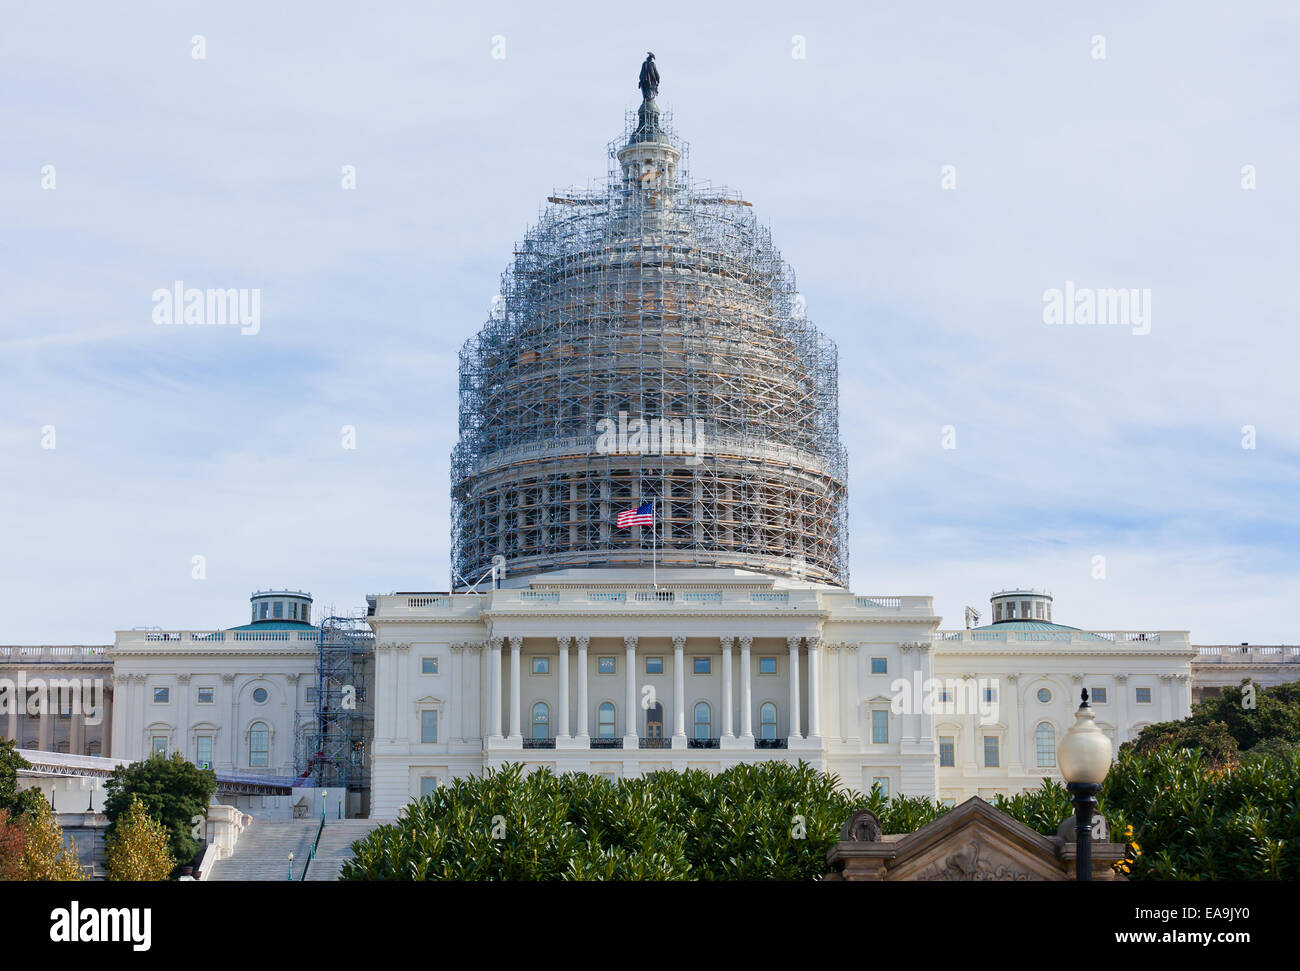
(770, 743)
(702, 743)
(606, 743)
(656, 743)
(539, 743)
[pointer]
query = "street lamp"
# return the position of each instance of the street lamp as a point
(1084, 758)
(290, 867)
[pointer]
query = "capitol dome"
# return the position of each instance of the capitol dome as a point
(649, 345)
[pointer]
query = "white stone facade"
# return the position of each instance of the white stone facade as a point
(742, 667)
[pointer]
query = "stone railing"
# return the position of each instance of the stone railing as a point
(1239, 655)
(180, 638)
(55, 655)
(1123, 639)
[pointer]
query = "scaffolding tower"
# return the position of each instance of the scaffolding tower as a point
(334, 740)
(650, 298)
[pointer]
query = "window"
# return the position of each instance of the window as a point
(990, 695)
(93, 748)
(279, 609)
(1144, 696)
(605, 719)
(313, 694)
(265, 607)
(879, 665)
(207, 695)
(259, 746)
(990, 751)
(260, 695)
(1099, 695)
(1044, 695)
(945, 696)
(1045, 743)
(882, 783)
(654, 721)
(160, 745)
(654, 665)
(429, 726)
(1024, 609)
(947, 751)
(767, 665)
(767, 720)
(605, 665)
(947, 803)
(703, 721)
(541, 665)
(203, 751)
(428, 665)
(428, 786)
(161, 695)
(880, 727)
(541, 720)
(1038, 610)
(293, 610)
(701, 665)
(997, 613)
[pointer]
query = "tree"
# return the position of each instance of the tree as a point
(138, 849)
(44, 855)
(174, 791)
(1230, 724)
(13, 841)
(19, 803)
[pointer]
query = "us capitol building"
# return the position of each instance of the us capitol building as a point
(648, 347)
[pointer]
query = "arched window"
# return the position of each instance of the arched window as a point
(541, 720)
(703, 721)
(605, 720)
(1045, 743)
(259, 746)
(767, 720)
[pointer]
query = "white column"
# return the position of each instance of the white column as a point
(515, 644)
(793, 644)
(630, 740)
(106, 721)
(814, 687)
(1121, 711)
(746, 691)
(494, 687)
(12, 730)
(728, 693)
(183, 714)
(583, 734)
(906, 671)
(562, 644)
(1009, 702)
(1183, 689)
(679, 691)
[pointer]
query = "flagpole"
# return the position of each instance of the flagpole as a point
(654, 546)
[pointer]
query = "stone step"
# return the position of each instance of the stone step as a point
(262, 852)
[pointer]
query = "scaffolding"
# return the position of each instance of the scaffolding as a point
(335, 736)
(649, 297)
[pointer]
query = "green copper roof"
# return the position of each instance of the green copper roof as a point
(276, 625)
(1025, 625)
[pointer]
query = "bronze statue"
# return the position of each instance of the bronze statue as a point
(649, 80)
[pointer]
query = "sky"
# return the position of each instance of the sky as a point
(930, 172)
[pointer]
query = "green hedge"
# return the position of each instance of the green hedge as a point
(773, 821)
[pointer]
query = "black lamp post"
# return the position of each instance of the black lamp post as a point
(1084, 758)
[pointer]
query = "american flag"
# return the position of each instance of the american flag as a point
(642, 515)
